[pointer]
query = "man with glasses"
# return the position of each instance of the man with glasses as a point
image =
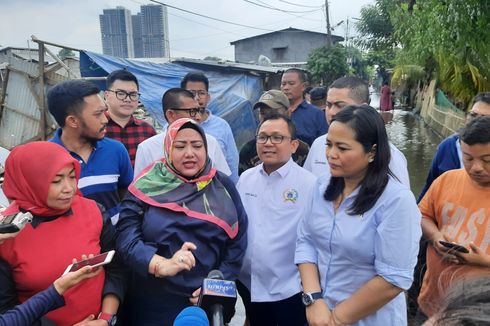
(271, 102)
(122, 99)
(448, 155)
(177, 103)
(198, 84)
(275, 195)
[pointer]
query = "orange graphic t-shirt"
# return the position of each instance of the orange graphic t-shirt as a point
(460, 209)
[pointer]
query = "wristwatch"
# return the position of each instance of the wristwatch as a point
(309, 298)
(109, 318)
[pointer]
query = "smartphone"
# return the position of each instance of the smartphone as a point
(15, 222)
(99, 260)
(454, 246)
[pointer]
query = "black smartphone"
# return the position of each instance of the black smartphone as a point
(454, 246)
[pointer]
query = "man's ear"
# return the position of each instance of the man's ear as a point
(72, 121)
(294, 145)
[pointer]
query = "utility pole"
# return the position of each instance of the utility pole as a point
(329, 31)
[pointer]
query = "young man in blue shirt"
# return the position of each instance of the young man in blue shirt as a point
(81, 114)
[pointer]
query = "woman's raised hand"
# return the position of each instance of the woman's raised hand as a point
(183, 259)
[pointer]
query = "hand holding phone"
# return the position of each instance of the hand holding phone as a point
(454, 246)
(15, 222)
(95, 261)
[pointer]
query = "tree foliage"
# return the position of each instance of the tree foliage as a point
(451, 40)
(65, 53)
(328, 63)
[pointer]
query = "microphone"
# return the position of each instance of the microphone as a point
(191, 316)
(218, 298)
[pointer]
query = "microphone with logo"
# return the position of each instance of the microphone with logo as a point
(218, 298)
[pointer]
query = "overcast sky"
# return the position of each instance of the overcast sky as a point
(76, 22)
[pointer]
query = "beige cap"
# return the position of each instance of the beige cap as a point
(274, 99)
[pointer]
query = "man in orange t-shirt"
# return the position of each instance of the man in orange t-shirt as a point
(457, 209)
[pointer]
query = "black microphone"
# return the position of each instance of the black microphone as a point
(218, 298)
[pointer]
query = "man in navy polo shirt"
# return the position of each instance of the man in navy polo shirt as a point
(309, 121)
(106, 169)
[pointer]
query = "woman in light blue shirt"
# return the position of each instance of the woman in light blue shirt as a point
(357, 247)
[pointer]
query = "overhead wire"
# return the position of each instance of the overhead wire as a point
(301, 5)
(266, 5)
(213, 18)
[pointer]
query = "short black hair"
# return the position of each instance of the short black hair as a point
(121, 74)
(172, 98)
(482, 97)
(278, 116)
(369, 130)
(303, 77)
(477, 131)
(195, 76)
(67, 98)
(358, 88)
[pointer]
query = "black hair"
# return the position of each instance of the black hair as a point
(477, 131)
(358, 88)
(121, 74)
(303, 77)
(369, 130)
(482, 97)
(307, 90)
(278, 116)
(195, 76)
(172, 98)
(67, 98)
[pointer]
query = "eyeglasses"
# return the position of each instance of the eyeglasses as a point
(275, 139)
(199, 93)
(122, 95)
(192, 111)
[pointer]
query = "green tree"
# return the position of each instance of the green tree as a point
(65, 53)
(450, 39)
(328, 63)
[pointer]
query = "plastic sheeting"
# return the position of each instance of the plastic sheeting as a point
(232, 94)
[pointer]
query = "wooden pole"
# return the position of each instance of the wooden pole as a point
(329, 30)
(42, 102)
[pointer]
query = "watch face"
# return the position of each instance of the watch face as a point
(113, 320)
(307, 299)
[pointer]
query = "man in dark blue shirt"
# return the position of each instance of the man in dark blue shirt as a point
(309, 121)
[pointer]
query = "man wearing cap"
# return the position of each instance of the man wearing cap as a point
(271, 102)
(318, 97)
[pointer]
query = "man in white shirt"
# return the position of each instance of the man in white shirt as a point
(343, 92)
(275, 195)
(177, 103)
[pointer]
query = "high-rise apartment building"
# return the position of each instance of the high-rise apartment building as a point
(154, 31)
(137, 40)
(142, 35)
(117, 32)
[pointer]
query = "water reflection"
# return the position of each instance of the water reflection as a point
(417, 141)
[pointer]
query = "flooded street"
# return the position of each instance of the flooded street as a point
(410, 135)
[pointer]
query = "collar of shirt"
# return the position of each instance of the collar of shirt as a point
(57, 139)
(282, 171)
(132, 121)
(37, 220)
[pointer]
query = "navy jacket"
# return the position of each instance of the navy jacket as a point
(145, 230)
(445, 159)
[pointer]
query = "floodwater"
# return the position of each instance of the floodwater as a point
(409, 133)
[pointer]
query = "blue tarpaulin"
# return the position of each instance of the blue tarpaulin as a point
(232, 93)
